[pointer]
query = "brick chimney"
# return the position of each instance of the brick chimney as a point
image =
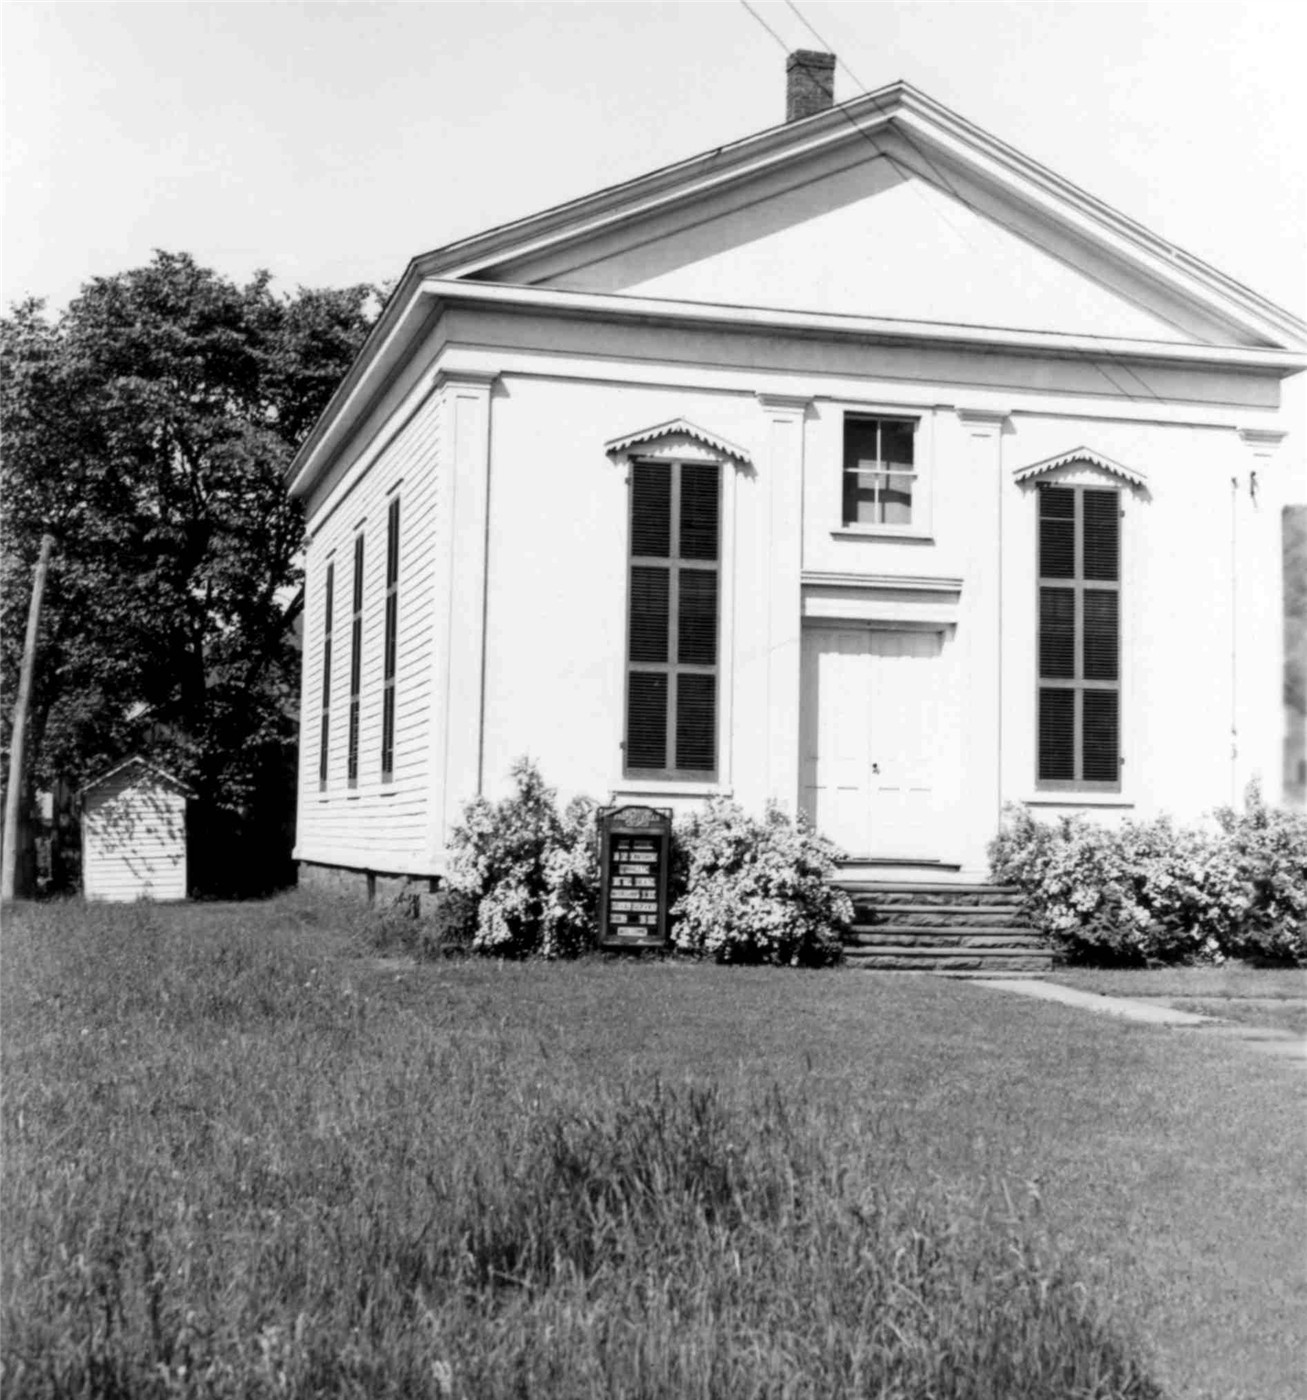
(809, 83)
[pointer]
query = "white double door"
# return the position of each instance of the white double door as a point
(876, 740)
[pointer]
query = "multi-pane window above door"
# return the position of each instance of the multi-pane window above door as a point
(880, 473)
(673, 615)
(1079, 639)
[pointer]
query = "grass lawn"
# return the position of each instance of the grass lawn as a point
(1272, 997)
(241, 1156)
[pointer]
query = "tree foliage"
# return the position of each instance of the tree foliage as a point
(1295, 607)
(148, 427)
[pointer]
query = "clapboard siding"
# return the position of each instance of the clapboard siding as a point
(134, 839)
(381, 825)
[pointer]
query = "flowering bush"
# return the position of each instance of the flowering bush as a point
(572, 884)
(532, 873)
(1267, 847)
(1154, 891)
(756, 891)
(525, 879)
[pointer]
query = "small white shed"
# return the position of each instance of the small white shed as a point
(134, 834)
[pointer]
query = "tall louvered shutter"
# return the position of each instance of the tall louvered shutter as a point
(696, 721)
(651, 509)
(1101, 736)
(673, 616)
(696, 623)
(700, 507)
(324, 737)
(1057, 734)
(1100, 636)
(649, 612)
(1079, 645)
(1057, 532)
(1057, 633)
(646, 720)
(1102, 535)
(355, 666)
(391, 652)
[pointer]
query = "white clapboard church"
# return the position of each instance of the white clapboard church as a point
(863, 465)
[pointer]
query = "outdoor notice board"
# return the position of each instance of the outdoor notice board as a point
(635, 846)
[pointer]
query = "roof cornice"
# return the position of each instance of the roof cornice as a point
(647, 194)
(418, 300)
(881, 329)
(926, 126)
(1159, 260)
(923, 122)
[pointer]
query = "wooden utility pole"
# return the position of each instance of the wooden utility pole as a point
(18, 736)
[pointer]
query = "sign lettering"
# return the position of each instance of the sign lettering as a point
(635, 848)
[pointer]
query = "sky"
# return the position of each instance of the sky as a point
(331, 143)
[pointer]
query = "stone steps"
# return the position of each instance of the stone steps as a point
(938, 915)
(949, 937)
(938, 927)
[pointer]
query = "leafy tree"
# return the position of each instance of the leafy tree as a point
(148, 427)
(1294, 520)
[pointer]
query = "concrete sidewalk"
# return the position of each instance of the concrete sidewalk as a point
(1281, 1044)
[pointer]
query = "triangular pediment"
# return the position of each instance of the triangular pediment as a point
(874, 241)
(678, 440)
(889, 206)
(1080, 459)
(888, 219)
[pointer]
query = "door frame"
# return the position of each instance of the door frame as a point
(943, 801)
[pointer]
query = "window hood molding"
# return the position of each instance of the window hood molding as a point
(1087, 456)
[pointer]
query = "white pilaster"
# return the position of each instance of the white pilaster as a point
(1257, 634)
(983, 654)
(460, 641)
(784, 486)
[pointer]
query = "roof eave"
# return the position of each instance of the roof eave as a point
(925, 120)
(405, 320)
(582, 218)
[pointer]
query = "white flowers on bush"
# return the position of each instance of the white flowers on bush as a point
(532, 872)
(571, 879)
(1151, 890)
(745, 890)
(757, 891)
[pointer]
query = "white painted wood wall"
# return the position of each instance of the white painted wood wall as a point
(489, 416)
(373, 824)
(134, 839)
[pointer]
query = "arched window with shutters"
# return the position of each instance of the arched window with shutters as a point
(1078, 653)
(672, 703)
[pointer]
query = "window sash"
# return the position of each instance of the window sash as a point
(874, 479)
(672, 705)
(1078, 652)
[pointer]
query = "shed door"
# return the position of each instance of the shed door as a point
(870, 716)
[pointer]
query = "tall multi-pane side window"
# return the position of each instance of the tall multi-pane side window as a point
(355, 665)
(1079, 744)
(392, 641)
(324, 741)
(880, 473)
(672, 622)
